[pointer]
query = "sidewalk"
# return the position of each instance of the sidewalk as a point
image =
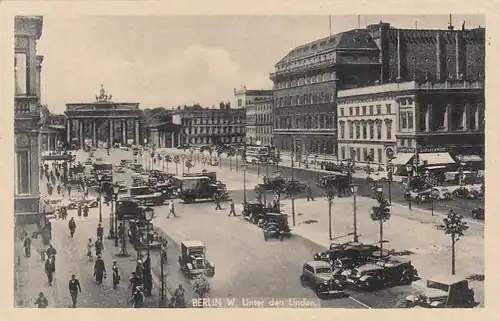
(412, 233)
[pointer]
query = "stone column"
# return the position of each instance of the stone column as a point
(136, 138)
(447, 117)
(81, 123)
(465, 116)
(111, 129)
(172, 142)
(124, 131)
(94, 133)
(68, 132)
(476, 118)
(178, 139)
(438, 56)
(428, 118)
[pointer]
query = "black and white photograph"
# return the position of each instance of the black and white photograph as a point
(248, 161)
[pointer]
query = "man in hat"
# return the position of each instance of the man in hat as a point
(85, 210)
(116, 274)
(74, 288)
(100, 231)
(51, 252)
(27, 245)
(98, 246)
(50, 269)
(232, 211)
(172, 209)
(72, 226)
(217, 201)
(99, 269)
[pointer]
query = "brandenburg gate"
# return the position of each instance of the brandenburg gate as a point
(120, 118)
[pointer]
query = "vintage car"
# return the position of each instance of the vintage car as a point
(464, 192)
(379, 274)
(73, 202)
(444, 291)
(271, 184)
(89, 162)
(478, 213)
(193, 188)
(441, 193)
(49, 204)
(272, 215)
(276, 229)
(318, 275)
(192, 259)
(252, 211)
(122, 187)
(354, 250)
(146, 195)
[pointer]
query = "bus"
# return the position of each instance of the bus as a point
(261, 154)
(105, 169)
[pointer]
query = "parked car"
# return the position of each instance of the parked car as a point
(192, 259)
(464, 192)
(478, 213)
(318, 275)
(441, 193)
(444, 291)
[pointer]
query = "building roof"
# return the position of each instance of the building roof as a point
(352, 39)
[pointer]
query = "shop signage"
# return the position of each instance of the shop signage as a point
(423, 149)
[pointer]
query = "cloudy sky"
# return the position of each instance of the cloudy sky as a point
(176, 60)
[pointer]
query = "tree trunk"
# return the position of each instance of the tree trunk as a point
(381, 238)
(453, 255)
(330, 219)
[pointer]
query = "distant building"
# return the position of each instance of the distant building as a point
(243, 96)
(201, 125)
(27, 69)
(306, 80)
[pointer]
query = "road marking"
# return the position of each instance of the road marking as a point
(359, 302)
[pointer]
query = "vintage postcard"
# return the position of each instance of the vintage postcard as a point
(248, 161)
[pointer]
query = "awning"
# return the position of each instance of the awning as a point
(435, 167)
(435, 158)
(470, 158)
(402, 158)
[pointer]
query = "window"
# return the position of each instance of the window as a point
(370, 109)
(297, 121)
(23, 172)
(364, 131)
(358, 156)
(342, 130)
(372, 153)
(379, 109)
(410, 120)
(388, 108)
(240, 102)
(20, 73)
(351, 130)
(358, 131)
(365, 153)
(389, 130)
(363, 109)
(379, 131)
(403, 102)
(357, 110)
(350, 111)
(379, 155)
(403, 121)
(342, 152)
(341, 111)
(371, 131)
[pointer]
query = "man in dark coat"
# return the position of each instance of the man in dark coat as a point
(98, 247)
(72, 226)
(85, 210)
(217, 201)
(68, 187)
(50, 268)
(27, 245)
(79, 211)
(99, 269)
(147, 277)
(135, 281)
(48, 226)
(74, 288)
(100, 231)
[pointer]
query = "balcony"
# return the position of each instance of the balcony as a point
(26, 106)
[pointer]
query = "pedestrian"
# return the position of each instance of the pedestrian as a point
(72, 226)
(139, 268)
(48, 226)
(99, 269)
(116, 274)
(232, 211)
(135, 281)
(41, 249)
(98, 247)
(64, 212)
(68, 187)
(121, 231)
(27, 245)
(217, 202)
(147, 278)
(100, 231)
(41, 301)
(50, 269)
(74, 288)
(90, 245)
(51, 252)
(79, 211)
(137, 298)
(172, 209)
(85, 210)
(309, 194)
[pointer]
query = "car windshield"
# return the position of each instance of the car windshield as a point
(323, 270)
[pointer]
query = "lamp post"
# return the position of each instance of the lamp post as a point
(99, 180)
(116, 189)
(182, 158)
(148, 216)
(163, 161)
(354, 190)
(409, 168)
(293, 192)
(390, 169)
(230, 163)
(244, 167)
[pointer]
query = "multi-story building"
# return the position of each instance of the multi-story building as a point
(259, 118)
(243, 96)
(210, 125)
(366, 120)
(307, 79)
(27, 68)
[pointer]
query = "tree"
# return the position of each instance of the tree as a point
(381, 213)
(455, 227)
(330, 195)
(201, 286)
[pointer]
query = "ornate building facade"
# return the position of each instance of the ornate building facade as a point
(201, 126)
(307, 79)
(27, 69)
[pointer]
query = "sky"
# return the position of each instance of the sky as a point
(166, 61)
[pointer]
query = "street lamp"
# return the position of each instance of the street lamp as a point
(99, 180)
(390, 169)
(409, 168)
(354, 190)
(116, 189)
(244, 167)
(182, 158)
(163, 161)
(148, 217)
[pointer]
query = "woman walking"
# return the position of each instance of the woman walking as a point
(116, 275)
(89, 250)
(99, 270)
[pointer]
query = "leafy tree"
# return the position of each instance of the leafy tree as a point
(330, 195)
(381, 213)
(455, 227)
(201, 286)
